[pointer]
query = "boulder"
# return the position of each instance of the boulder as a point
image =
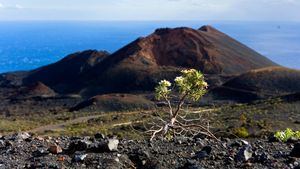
(55, 149)
(244, 154)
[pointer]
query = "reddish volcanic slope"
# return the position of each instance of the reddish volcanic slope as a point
(206, 49)
(140, 64)
(38, 89)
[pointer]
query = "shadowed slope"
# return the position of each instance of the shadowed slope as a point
(270, 81)
(64, 75)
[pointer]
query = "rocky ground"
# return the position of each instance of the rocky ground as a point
(25, 151)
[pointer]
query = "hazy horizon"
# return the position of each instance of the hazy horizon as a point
(145, 10)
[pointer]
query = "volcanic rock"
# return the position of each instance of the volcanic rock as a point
(79, 145)
(108, 145)
(144, 154)
(143, 159)
(40, 152)
(112, 144)
(55, 149)
(190, 164)
(79, 157)
(205, 152)
(22, 136)
(244, 154)
(99, 136)
(296, 151)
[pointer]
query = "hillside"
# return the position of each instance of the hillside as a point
(64, 75)
(273, 80)
(140, 64)
(37, 89)
(207, 49)
(261, 83)
(233, 71)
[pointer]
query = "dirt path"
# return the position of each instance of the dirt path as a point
(62, 125)
(126, 123)
(73, 121)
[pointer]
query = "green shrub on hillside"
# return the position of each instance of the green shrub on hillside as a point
(284, 136)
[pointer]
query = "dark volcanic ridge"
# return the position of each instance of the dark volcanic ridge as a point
(268, 81)
(260, 84)
(65, 74)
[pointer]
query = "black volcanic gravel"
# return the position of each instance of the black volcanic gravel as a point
(25, 151)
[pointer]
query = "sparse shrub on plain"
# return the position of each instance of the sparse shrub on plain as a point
(190, 85)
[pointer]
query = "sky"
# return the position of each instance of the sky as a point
(252, 10)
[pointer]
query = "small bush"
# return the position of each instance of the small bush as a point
(191, 85)
(241, 132)
(284, 136)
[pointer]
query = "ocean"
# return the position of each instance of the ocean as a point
(26, 45)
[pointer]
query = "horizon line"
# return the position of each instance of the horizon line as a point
(131, 20)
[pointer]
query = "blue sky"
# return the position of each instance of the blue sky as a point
(259, 10)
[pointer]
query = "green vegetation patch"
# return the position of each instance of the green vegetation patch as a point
(287, 134)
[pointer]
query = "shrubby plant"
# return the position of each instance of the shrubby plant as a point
(190, 85)
(284, 136)
(241, 132)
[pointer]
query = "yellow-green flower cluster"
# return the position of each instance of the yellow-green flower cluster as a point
(191, 83)
(162, 90)
(165, 83)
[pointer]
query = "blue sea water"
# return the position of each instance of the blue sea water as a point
(26, 45)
